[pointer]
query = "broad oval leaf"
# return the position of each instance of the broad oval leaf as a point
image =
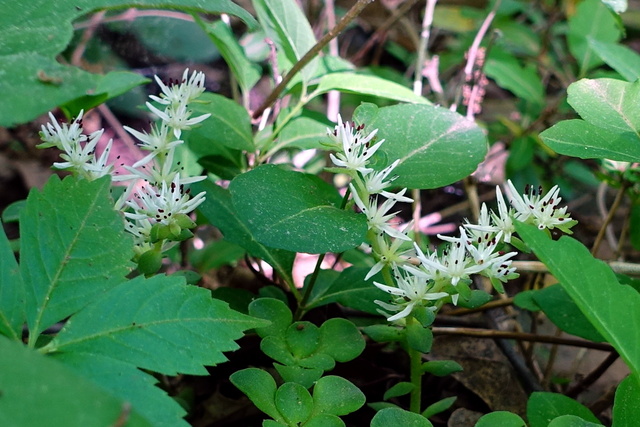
(619, 57)
(260, 387)
(564, 313)
(38, 390)
(161, 324)
(609, 306)
(543, 407)
(436, 147)
(220, 212)
(365, 84)
(399, 417)
(295, 211)
(500, 418)
(607, 103)
(626, 411)
(337, 396)
(62, 265)
(294, 403)
(572, 421)
(578, 138)
(229, 125)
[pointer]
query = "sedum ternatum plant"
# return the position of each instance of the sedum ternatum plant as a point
(176, 289)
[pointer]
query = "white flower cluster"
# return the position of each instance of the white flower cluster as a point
(440, 276)
(162, 199)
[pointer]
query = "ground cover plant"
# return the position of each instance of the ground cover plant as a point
(290, 213)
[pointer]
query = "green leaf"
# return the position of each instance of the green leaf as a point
(419, 338)
(341, 339)
(125, 382)
(273, 310)
(62, 266)
(526, 300)
(298, 374)
(572, 421)
(440, 406)
(399, 417)
(607, 103)
(609, 306)
(564, 313)
(384, 333)
(282, 207)
(161, 324)
(364, 84)
(441, 368)
(524, 82)
(39, 390)
(626, 411)
(219, 211)
(592, 20)
(578, 138)
(399, 389)
(308, 130)
(543, 407)
(500, 418)
(11, 292)
(303, 338)
(246, 72)
(619, 57)
(436, 147)
(36, 32)
(229, 125)
(324, 420)
(260, 387)
(288, 27)
(337, 396)
(294, 403)
(349, 289)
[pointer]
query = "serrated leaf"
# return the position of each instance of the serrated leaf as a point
(35, 32)
(219, 211)
(282, 207)
(592, 20)
(364, 84)
(124, 381)
(12, 294)
(626, 411)
(347, 288)
(288, 27)
(609, 306)
(161, 324)
(619, 57)
(246, 72)
(38, 390)
(337, 396)
(543, 407)
(229, 125)
(62, 265)
(578, 138)
(436, 147)
(564, 313)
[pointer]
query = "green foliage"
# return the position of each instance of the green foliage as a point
(435, 146)
(281, 207)
(594, 288)
(12, 299)
(59, 228)
(543, 407)
(39, 30)
(440, 406)
(501, 418)
(441, 368)
(37, 388)
(625, 408)
(396, 416)
(609, 129)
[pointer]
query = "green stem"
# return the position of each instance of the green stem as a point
(416, 375)
(307, 292)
